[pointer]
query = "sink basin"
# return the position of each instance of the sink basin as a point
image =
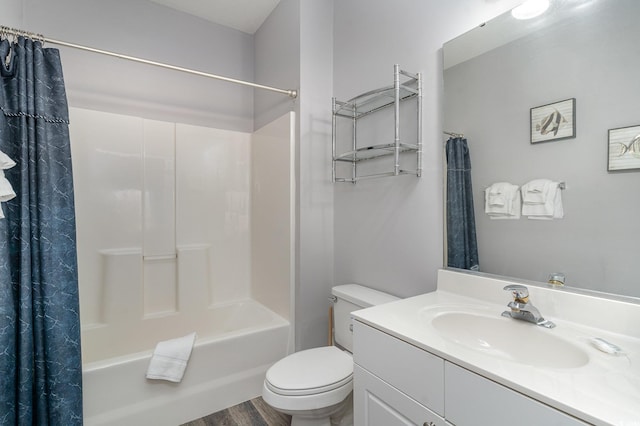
(509, 339)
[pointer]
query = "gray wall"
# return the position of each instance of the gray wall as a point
(11, 13)
(389, 232)
(145, 29)
(296, 42)
(489, 97)
(277, 61)
(315, 190)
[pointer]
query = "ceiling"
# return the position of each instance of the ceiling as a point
(243, 15)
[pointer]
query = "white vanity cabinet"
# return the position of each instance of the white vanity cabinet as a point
(472, 400)
(396, 383)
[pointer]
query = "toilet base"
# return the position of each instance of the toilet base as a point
(300, 421)
(340, 416)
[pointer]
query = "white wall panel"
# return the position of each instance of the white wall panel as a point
(194, 276)
(272, 216)
(159, 188)
(159, 219)
(160, 285)
(139, 255)
(119, 288)
(212, 193)
(107, 168)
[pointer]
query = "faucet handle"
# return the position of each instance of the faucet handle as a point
(520, 292)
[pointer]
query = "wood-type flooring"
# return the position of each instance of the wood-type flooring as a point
(255, 412)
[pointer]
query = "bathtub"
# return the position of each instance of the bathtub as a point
(227, 366)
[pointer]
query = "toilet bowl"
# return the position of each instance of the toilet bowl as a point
(315, 386)
(310, 385)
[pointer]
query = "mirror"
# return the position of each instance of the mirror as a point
(587, 50)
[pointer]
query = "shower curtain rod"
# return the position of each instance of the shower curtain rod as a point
(292, 93)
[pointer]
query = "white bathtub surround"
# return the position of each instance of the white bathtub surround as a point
(165, 224)
(166, 247)
(163, 228)
(272, 213)
(600, 388)
(170, 358)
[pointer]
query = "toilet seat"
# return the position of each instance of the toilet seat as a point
(310, 372)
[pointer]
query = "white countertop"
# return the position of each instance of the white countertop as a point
(604, 391)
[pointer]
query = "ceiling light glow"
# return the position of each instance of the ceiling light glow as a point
(530, 9)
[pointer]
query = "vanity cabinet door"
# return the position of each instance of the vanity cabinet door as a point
(472, 400)
(376, 403)
(418, 373)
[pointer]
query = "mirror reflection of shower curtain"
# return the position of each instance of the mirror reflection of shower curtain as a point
(462, 246)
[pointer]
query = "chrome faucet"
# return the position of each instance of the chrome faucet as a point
(522, 309)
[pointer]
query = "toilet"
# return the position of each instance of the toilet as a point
(315, 386)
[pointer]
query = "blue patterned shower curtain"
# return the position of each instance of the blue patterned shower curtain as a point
(40, 362)
(462, 246)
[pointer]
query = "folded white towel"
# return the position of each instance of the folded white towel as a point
(169, 359)
(551, 209)
(502, 201)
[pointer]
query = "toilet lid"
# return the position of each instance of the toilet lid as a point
(311, 371)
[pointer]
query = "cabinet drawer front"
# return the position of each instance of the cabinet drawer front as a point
(418, 373)
(376, 403)
(471, 398)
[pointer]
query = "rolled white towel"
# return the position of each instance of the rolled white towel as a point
(496, 194)
(6, 190)
(5, 161)
(502, 199)
(495, 198)
(513, 212)
(551, 209)
(536, 191)
(169, 359)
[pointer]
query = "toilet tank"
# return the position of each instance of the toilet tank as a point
(349, 298)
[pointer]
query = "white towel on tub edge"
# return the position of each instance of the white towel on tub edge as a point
(170, 357)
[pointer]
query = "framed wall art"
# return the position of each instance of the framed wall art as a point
(554, 121)
(624, 148)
